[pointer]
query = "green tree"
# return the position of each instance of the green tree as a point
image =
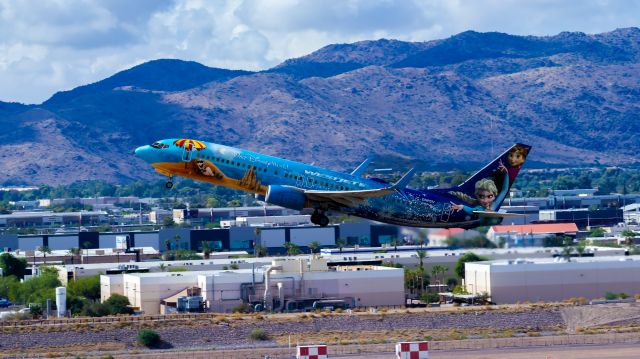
(39, 289)
(176, 240)
(86, 245)
(87, 287)
(340, 243)
(292, 248)
(8, 287)
(206, 249)
(36, 310)
(415, 280)
(581, 247)
(313, 246)
(467, 257)
(552, 241)
(597, 232)
(567, 248)
(260, 250)
(395, 243)
(76, 305)
(629, 235)
(168, 222)
(212, 202)
(12, 266)
(118, 304)
(44, 250)
(437, 270)
(421, 256)
(422, 238)
(430, 297)
(74, 252)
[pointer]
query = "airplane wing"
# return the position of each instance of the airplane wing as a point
(354, 198)
(346, 198)
(492, 214)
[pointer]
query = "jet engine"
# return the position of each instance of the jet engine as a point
(285, 196)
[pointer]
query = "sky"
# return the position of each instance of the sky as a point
(55, 45)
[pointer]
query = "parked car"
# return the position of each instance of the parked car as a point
(4, 303)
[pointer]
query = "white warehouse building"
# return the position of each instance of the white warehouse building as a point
(546, 279)
(285, 285)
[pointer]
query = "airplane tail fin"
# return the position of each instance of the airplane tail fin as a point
(502, 171)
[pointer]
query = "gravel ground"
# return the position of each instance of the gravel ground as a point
(236, 333)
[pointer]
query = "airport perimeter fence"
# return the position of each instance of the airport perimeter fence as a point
(110, 319)
(384, 348)
(353, 349)
(150, 318)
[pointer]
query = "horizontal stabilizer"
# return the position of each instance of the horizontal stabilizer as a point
(492, 214)
(359, 171)
(404, 181)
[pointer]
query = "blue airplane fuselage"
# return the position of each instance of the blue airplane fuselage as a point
(261, 174)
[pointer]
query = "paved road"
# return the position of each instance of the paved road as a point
(613, 351)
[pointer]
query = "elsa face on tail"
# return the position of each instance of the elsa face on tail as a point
(486, 192)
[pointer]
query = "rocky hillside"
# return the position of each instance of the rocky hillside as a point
(447, 103)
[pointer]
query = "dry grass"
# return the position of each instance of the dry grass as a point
(390, 336)
(65, 351)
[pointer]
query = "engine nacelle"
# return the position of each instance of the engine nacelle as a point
(286, 197)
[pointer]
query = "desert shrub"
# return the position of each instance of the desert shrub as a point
(610, 296)
(148, 337)
(36, 310)
(623, 295)
(96, 310)
(242, 308)
(118, 304)
(430, 297)
(259, 334)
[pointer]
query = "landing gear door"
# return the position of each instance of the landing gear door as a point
(186, 154)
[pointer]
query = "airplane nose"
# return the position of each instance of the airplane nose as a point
(143, 152)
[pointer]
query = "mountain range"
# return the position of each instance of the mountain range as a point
(449, 103)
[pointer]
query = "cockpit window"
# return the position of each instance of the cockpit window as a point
(159, 145)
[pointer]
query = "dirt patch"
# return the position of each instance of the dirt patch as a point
(588, 316)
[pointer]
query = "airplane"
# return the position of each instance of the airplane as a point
(317, 190)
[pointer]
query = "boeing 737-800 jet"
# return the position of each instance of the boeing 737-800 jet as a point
(301, 186)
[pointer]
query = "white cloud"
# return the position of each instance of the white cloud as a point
(52, 45)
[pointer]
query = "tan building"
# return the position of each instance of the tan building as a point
(553, 279)
(284, 285)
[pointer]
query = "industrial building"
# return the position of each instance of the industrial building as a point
(39, 219)
(529, 235)
(211, 215)
(237, 238)
(285, 285)
(85, 240)
(584, 218)
(217, 261)
(631, 213)
(575, 198)
(546, 279)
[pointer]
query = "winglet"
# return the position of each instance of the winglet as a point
(359, 171)
(404, 181)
